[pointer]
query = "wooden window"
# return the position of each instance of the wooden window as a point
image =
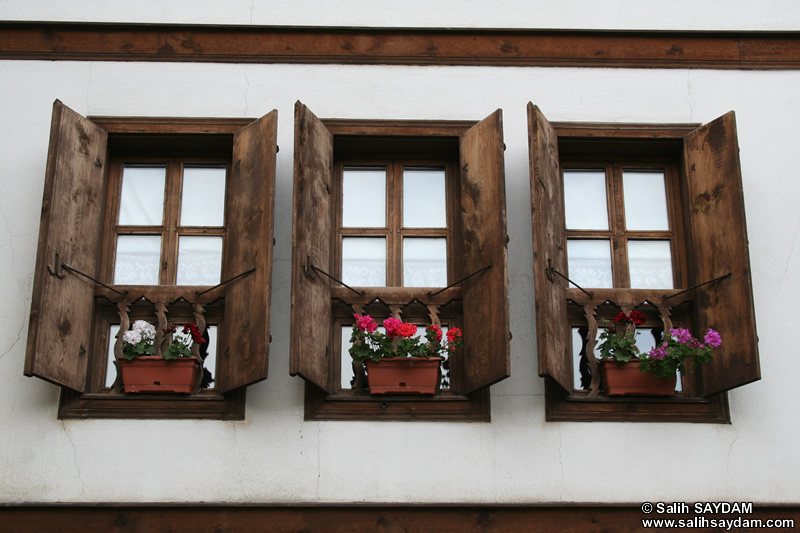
(467, 234)
(699, 225)
(130, 203)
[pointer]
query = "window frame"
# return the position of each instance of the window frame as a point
(617, 233)
(393, 231)
(171, 230)
(312, 295)
(80, 156)
(707, 159)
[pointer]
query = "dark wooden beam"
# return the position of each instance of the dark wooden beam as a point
(399, 46)
(375, 518)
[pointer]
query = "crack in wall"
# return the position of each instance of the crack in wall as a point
(239, 474)
(75, 458)
(246, 90)
(319, 460)
(730, 450)
(791, 253)
(88, 87)
(561, 464)
(23, 286)
(16, 341)
(494, 462)
(689, 95)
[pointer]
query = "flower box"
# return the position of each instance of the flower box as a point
(625, 379)
(404, 375)
(154, 374)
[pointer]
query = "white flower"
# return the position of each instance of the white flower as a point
(146, 330)
(132, 336)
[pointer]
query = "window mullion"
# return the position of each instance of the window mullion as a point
(169, 245)
(619, 239)
(394, 223)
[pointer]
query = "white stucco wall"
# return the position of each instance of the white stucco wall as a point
(274, 455)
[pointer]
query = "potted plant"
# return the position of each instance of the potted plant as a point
(176, 370)
(397, 361)
(626, 371)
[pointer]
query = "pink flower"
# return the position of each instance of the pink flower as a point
(366, 323)
(660, 352)
(392, 325)
(682, 335)
(712, 338)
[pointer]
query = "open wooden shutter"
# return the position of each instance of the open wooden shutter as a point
(59, 336)
(717, 246)
(484, 242)
(547, 200)
(244, 337)
(311, 246)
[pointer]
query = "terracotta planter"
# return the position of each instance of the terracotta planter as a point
(399, 375)
(154, 374)
(625, 379)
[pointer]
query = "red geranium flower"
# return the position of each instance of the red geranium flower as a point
(637, 317)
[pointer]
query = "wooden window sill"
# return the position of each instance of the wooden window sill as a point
(474, 407)
(577, 407)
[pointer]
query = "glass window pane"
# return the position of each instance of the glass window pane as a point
(199, 260)
(364, 197)
(424, 262)
(585, 201)
(203, 196)
(208, 351)
(364, 261)
(137, 260)
(650, 264)
(111, 369)
(590, 263)
(645, 200)
(142, 197)
(579, 336)
(424, 199)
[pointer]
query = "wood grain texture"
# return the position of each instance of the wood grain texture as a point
(312, 229)
(549, 250)
(718, 245)
(405, 46)
(486, 351)
(357, 518)
(59, 336)
(244, 335)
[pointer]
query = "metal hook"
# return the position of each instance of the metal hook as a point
(58, 267)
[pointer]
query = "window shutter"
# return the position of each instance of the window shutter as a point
(244, 337)
(717, 246)
(484, 242)
(59, 336)
(311, 246)
(552, 327)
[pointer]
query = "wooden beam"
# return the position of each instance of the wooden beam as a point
(621, 518)
(398, 46)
